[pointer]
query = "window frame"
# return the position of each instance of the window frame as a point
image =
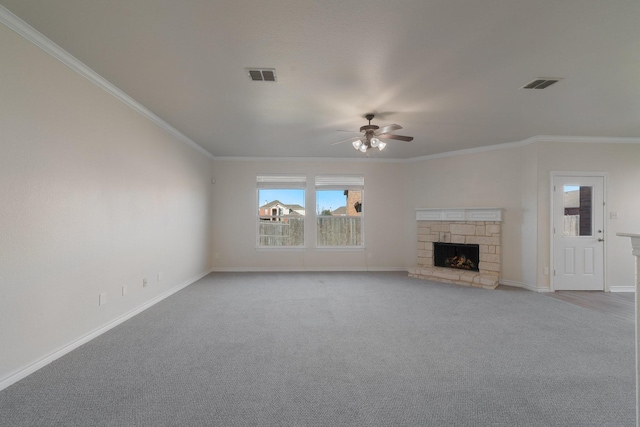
(280, 182)
(340, 183)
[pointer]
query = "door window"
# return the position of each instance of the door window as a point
(578, 210)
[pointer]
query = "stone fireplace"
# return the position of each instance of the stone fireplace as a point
(460, 246)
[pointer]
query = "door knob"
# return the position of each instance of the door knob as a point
(600, 240)
(599, 231)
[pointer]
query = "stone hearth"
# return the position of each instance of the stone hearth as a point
(465, 226)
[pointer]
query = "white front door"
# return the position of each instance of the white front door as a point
(578, 233)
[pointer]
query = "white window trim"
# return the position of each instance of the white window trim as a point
(280, 248)
(340, 248)
(339, 182)
(281, 181)
(284, 182)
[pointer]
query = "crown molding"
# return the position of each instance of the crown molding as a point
(34, 36)
(475, 150)
(587, 139)
(465, 151)
(375, 160)
(308, 159)
(40, 40)
(527, 141)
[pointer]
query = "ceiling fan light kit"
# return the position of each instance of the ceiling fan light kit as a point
(371, 135)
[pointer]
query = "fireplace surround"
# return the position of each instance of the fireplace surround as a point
(476, 227)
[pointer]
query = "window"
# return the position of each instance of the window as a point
(578, 201)
(339, 210)
(281, 210)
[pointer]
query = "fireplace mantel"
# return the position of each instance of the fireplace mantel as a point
(459, 214)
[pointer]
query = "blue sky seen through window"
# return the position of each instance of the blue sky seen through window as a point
(330, 199)
(326, 199)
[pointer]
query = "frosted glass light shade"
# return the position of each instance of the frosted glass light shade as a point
(357, 144)
(375, 142)
(363, 148)
(381, 145)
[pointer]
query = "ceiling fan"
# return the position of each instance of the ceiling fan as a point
(372, 136)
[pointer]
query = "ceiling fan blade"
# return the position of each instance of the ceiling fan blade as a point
(350, 131)
(398, 137)
(387, 129)
(347, 140)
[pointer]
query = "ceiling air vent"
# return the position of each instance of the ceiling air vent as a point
(262, 74)
(540, 83)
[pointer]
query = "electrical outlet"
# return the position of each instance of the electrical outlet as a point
(144, 282)
(102, 299)
(613, 215)
(159, 276)
(124, 290)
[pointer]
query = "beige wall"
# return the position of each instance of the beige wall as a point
(514, 178)
(487, 179)
(621, 162)
(94, 197)
(529, 229)
(518, 180)
(235, 210)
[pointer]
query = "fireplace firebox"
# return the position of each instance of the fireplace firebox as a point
(454, 255)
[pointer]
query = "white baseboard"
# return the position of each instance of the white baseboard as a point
(523, 285)
(540, 289)
(28, 370)
(302, 270)
(622, 289)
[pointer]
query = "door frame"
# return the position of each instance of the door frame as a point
(605, 222)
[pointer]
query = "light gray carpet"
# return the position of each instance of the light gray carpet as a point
(341, 349)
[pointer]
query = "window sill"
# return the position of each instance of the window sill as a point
(281, 248)
(340, 248)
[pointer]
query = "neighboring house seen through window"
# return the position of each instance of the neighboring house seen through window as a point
(281, 211)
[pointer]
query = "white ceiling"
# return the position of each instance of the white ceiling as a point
(448, 71)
